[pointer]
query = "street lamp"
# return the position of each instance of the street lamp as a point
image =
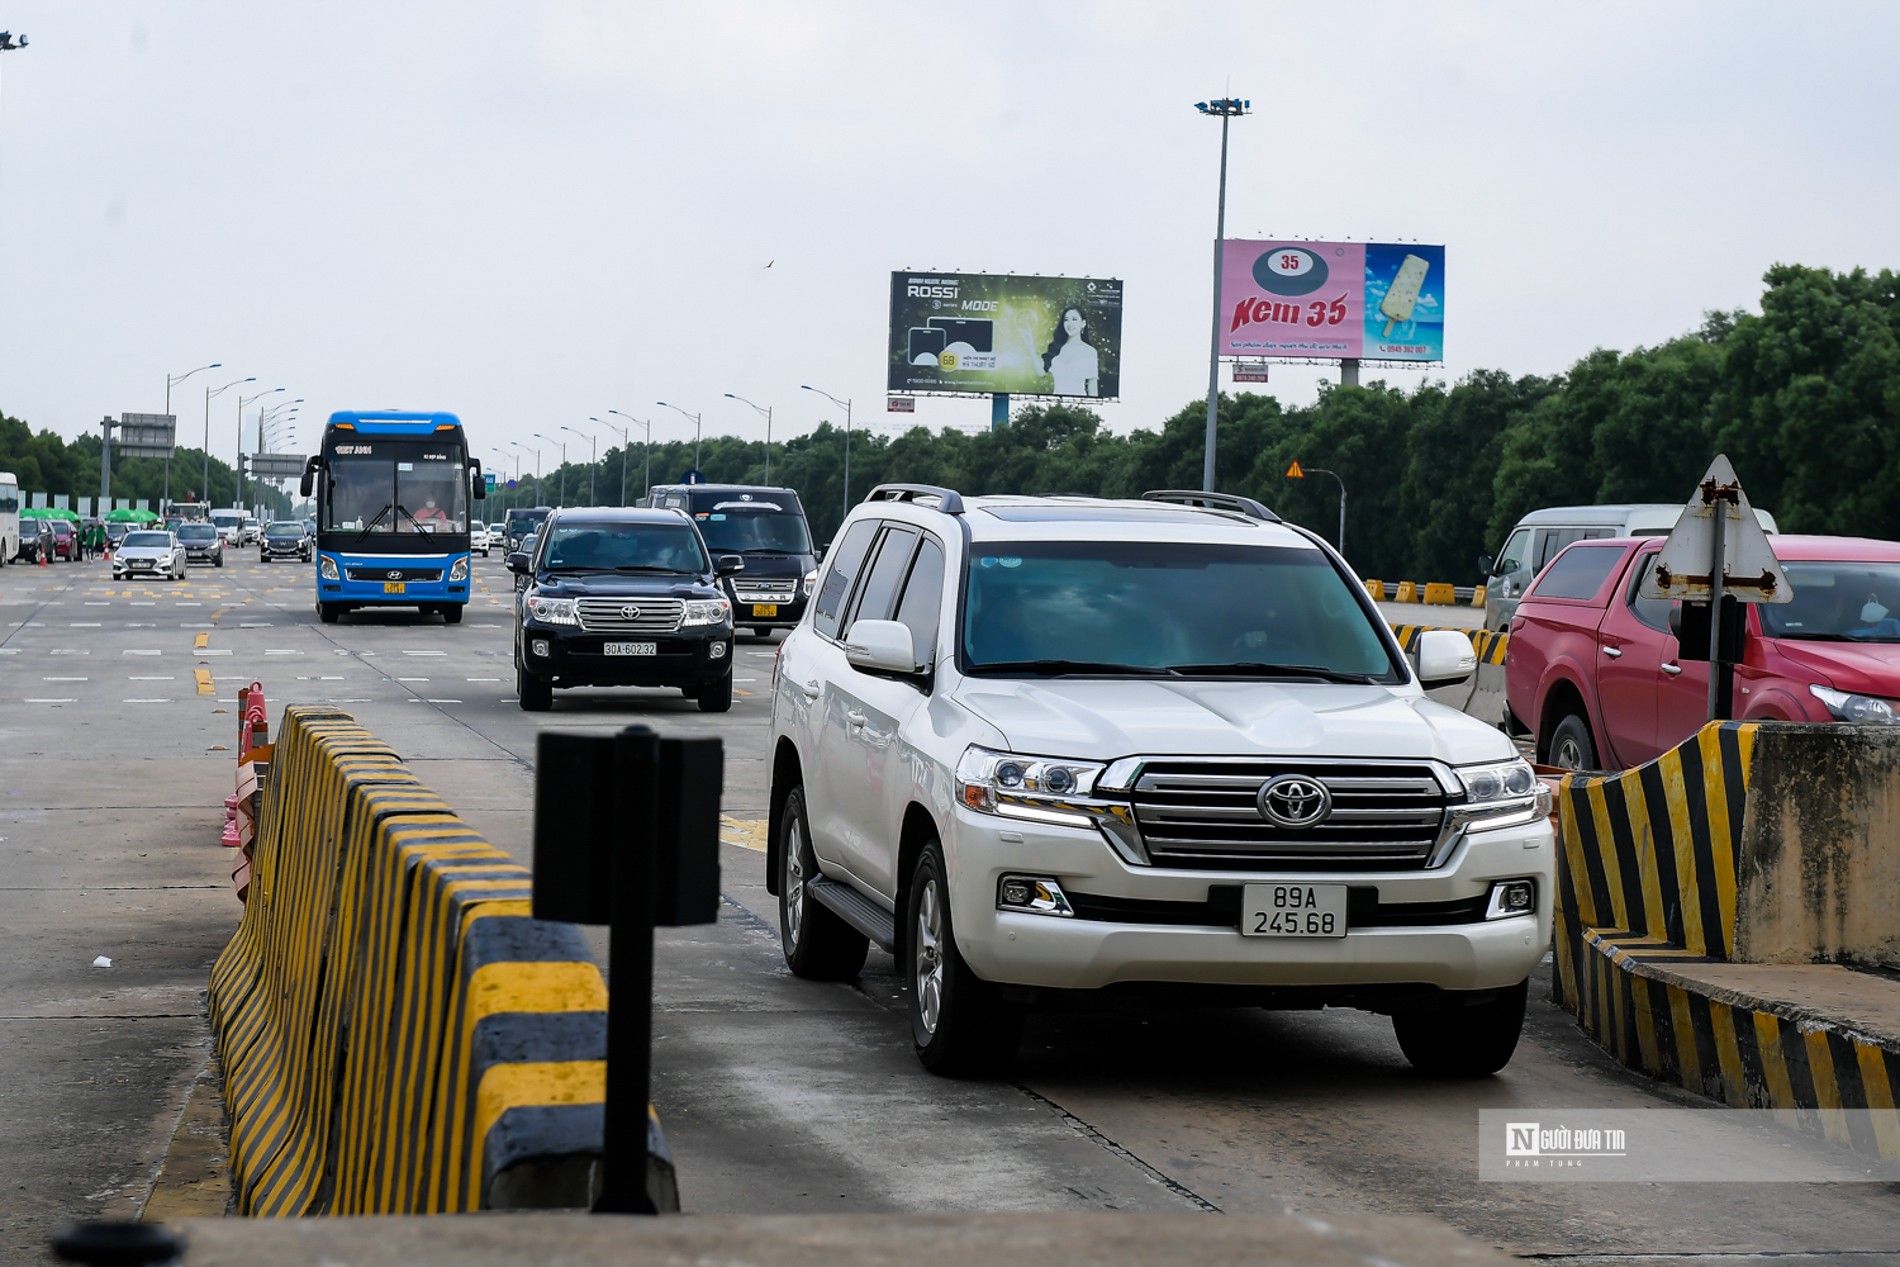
(170, 379)
(766, 411)
(590, 466)
(696, 429)
(540, 490)
(560, 498)
(205, 491)
(626, 442)
(806, 387)
(1223, 108)
(243, 403)
(508, 497)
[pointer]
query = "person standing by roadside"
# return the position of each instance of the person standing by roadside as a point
(94, 538)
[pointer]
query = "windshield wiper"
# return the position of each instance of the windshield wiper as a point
(371, 525)
(1257, 668)
(1064, 667)
(648, 567)
(404, 511)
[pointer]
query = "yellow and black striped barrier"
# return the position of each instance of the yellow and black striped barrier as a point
(1652, 879)
(1490, 645)
(397, 1035)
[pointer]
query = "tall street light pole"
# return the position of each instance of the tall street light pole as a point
(1225, 109)
(696, 429)
(764, 411)
(205, 490)
(806, 387)
(590, 466)
(507, 494)
(170, 381)
(560, 498)
(646, 457)
(540, 489)
(626, 442)
(244, 402)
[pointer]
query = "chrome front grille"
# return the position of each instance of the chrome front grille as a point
(1194, 814)
(776, 590)
(631, 615)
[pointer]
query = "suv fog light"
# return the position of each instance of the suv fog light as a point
(1033, 895)
(718, 651)
(540, 646)
(1512, 897)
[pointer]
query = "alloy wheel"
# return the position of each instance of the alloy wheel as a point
(927, 969)
(794, 883)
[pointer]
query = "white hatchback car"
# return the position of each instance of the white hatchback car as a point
(1043, 744)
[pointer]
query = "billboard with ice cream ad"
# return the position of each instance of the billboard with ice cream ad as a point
(1378, 301)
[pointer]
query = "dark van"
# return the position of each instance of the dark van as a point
(521, 521)
(764, 526)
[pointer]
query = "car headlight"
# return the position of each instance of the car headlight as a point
(553, 611)
(811, 582)
(1502, 794)
(706, 611)
(1045, 789)
(459, 572)
(1842, 706)
(327, 569)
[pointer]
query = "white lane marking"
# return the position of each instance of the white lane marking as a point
(97, 602)
(137, 625)
(212, 651)
(197, 626)
(52, 701)
(425, 653)
(144, 701)
(140, 604)
(445, 701)
(143, 651)
(9, 651)
(163, 677)
(86, 624)
(331, 677)
(65, 679)
(412, 679)
(265, 624)
(753, 679)
(284, 651)
(70, 651)
(484, 679)
(181, 604)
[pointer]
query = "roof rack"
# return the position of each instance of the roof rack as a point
(949, 501)
(1212, 501)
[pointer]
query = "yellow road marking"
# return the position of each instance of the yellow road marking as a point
(202, 641)
(747, 833)
(204, 681)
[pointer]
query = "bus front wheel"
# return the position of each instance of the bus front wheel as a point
(328, 612)
(452, 613)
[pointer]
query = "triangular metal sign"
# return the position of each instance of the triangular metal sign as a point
(1750, 571)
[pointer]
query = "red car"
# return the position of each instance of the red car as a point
(65, 540)
(1594, 673)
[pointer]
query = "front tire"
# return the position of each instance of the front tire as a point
(961, 1025)
(452, 613)
(1463, 1041)
(715, 697)
(328, 612)
(534, 693)
(1571, 747)
(818, 945)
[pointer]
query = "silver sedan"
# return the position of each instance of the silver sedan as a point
(149, 553)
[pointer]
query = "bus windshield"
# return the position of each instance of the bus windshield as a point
(397, 489)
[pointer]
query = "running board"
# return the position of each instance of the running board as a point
(855, 909)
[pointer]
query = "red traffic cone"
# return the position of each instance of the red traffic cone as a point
(42, 558)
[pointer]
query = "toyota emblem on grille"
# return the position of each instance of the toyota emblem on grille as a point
(629, 612)
(395, 576)
(1293, 800)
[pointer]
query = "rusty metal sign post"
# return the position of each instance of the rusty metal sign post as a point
(1720, 527)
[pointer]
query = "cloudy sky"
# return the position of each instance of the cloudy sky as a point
(531, 213)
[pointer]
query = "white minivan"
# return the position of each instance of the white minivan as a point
(1541, 535)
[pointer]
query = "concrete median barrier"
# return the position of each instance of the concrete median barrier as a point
(397, 1035)
(1708, 904)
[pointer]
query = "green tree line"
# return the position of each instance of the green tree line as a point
(43, 462)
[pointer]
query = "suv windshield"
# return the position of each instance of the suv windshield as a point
(1164, 608)
(658, 547)
(753, 528)
(133, 540)
(284, 529)
(196, 532)
(1837, 602)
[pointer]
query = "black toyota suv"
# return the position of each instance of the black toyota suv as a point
(623, 598)
(764, 526)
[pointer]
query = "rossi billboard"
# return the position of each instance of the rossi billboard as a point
(1377, 300)
(983, 333)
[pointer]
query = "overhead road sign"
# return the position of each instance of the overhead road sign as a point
(146, 435)
(275, 466)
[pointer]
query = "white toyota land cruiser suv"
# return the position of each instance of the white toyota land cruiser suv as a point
(1037, 744)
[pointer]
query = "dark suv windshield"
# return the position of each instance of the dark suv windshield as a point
(284, 530)
(659, 547)
(196, 532)
(753, 527)
(1167, 608)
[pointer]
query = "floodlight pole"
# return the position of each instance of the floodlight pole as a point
(697, 431)
(170, 379)
(626, 442)
(1226, 108)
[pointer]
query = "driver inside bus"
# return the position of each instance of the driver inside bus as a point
(431, 511)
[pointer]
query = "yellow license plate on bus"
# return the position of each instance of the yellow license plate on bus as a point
(392, 587)
(765, 609)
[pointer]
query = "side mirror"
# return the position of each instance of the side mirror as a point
(1445, 658)
(883, 646)
(518, 562)
(1484, 565)
(728, 565)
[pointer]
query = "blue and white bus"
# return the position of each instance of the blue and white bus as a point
(393, 494)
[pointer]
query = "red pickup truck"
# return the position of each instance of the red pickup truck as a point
(1593, 670)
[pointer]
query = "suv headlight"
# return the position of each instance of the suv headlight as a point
(1842, 706)
(811, 582)
(1501, 794)
(706, 611)
(1045, 789)
(459, 571)
(553, 611)
(326, 568)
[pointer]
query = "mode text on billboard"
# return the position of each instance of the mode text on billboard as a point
(982, 333)
(1382, 301)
